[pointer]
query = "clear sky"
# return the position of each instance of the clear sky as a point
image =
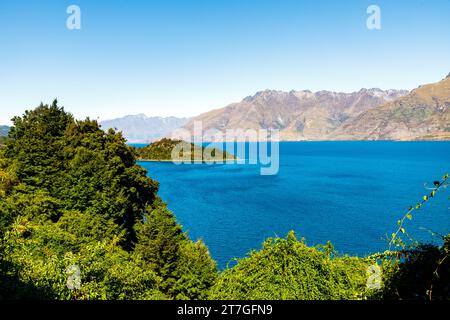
(182, 58)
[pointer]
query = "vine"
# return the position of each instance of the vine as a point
(395, 238)
(413, 251)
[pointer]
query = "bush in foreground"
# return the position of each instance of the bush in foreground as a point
(289, 269)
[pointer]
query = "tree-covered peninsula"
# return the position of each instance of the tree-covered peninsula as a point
(179, 150)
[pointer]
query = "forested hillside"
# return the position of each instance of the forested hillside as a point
(79, 219)
(72, 195)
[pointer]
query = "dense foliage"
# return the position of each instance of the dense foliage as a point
(422, 273)
(72, 195)
(74, 203)
(165, 149)
(289, 269)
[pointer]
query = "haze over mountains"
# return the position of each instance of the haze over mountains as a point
(369, 114)
(142, 129)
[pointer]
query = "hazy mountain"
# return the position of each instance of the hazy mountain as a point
(140, 128)
(368, 114)
(299, 115)
(4, 131)
(422, 114)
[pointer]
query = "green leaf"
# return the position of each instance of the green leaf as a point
(399, 222)
(409, 216)
(425, 198)
(402, 230)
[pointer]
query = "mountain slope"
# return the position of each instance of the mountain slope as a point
(299, 115)
(140, 128)
(4, 131)
(422, 114)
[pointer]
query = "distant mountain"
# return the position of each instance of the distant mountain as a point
(298, 115)
(424, 114)
(368, 114)
(4, 131)
(140, 128)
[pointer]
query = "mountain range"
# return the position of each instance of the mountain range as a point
(423, 114)
(369, 114)
(298, 115)
(142, 129)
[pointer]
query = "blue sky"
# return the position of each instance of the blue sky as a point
(182, 58)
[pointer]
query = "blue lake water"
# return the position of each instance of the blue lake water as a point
(350, 193)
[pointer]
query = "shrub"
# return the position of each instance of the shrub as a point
(289, 269)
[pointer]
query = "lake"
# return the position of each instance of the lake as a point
(351, 193)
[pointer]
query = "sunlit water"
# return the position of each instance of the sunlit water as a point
(350, 193)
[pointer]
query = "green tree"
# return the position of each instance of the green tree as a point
(196, 272)
(159, 240)
(35, 146)
(71, 193)
(79, 165)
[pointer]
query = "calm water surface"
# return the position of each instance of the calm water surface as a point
(350, 193)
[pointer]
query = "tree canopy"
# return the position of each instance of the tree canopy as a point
(72, 194)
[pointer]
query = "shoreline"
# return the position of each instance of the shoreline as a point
(185, 161)
(343, 140)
